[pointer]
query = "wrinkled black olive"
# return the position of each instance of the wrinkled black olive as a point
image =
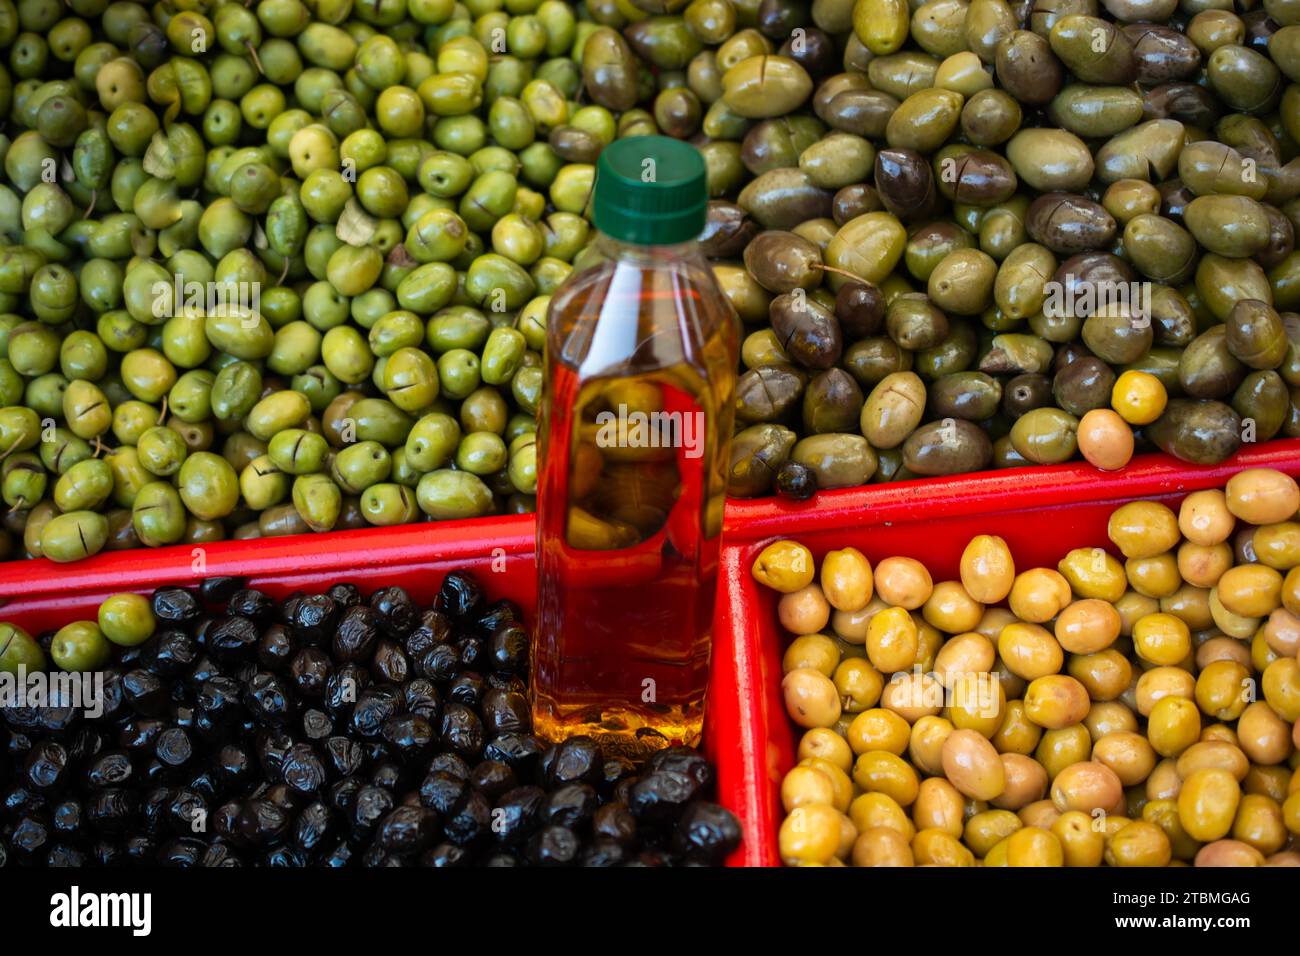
(252, 604)
(470, 820)
(110, 769)
(445, 855)
(354, 641)
(409, 735)
(397, 612)
(169, 653)
(467, 688)
(517, 813)
(408, 829)
(461, 730)
(313, 615)
(389, 665)
(661, 796)
(442, 791)
(310, 672)
(706, 832)
(372, 803)
(145, 692)
(460, 596)
(509, 648)
(219, 590)
(174, 747)
(346, 756)
(344, 595)
(576, 760)
(175, 604)
(571, 805)
(554, 846)
(316, 724)
(276, 648)
(440, 663)
(313, 826)
(493, 778)
(614, 822)
(373, 709)
(46, 767)
(302, 770)
(422, 698)
(267, 699)
(505, 712)
(344, 686)
(230, 639)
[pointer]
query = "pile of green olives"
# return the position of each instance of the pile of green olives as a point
(966, 234)
(269, 268)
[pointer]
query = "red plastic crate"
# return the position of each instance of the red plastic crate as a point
(1041, 512)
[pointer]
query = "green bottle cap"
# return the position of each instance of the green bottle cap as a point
(650, 190)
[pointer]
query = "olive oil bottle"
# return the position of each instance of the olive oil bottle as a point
(642, 351)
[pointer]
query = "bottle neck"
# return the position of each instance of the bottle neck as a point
(657, 255)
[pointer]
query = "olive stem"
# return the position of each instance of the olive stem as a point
(839, 272)
(252, 51)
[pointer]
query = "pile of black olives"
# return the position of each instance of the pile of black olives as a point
(328, 730)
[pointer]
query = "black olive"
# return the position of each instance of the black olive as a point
(706, 832)
(442, 791)
(408, 830)
(440, 663)
(107, 853)
(460, 596)
(142, 849)
(571, 805)
(373, 709)
(302, 770)
(354, 641)
(267, 699)
(316, 724)
(344, 595)
(387, 775)
(346, 756)
(472, 651)
(422, 698)
(497, 615)
(492, 777)
(685, 761)
(111, 810)
(260, 822)
(554, 846)
(205, 668)
(31, 836)
(315, 614)
(576, 760)
(20, 801)
(313, 826)
(603, 852)
(252, 604)
(225, 820)
(467, 688)
(451, 763)
(63, 855)
(69, 818)
(517, 814)
(175, 604)
(344, 686)
(183, 852)
(505, 712)
(445, 855)
(174, 747)
(502, 859)
(520, 751)
(233, 767)
(205, 782)
(614, 821)
(276, 648)
(46, 767)
(219, 590)
(371, 804)
(339, 856)
(409, 736)
(231, 639)
(796, 481)
(390, 665)
(462, 731)
(398, 614)
(509, 649)
(470, 820)
(434, 628)
(110, 769)
(186, 812)
(145, 692)
(310, 672)
(343, 794)
(219, 855)
(661, 796)
(169, 653)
